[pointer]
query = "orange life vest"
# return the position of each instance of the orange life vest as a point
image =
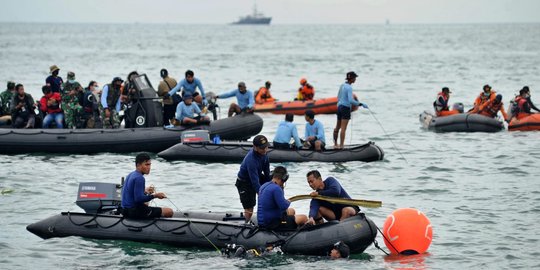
(263, 95)
(521, 110)
(491, 109)
(307, 91)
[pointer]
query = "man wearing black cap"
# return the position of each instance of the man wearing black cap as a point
(169, 104)
(110, 103)
(441, 103)
(186, 110)
(345, 103)
(254, 171)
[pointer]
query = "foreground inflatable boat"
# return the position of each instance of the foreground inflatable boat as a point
(87, 141)
(462, 122)
(237, 151)
(196, 229)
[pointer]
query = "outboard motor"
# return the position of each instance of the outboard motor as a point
(147, 110)
(212, 105)
(458, 106)
(95, 197)
(195, 136)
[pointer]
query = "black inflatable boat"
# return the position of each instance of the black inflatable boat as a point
(87, 141)
(192, 229)
(228, 151)
(462, 122)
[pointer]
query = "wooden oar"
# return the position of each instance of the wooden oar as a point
(363, 203)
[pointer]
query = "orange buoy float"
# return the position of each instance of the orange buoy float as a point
(407, 231)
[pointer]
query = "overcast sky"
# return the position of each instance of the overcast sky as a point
(282, 11)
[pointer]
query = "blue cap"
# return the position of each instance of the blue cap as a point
(187, 95)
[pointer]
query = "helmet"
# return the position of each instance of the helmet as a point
(303, 81)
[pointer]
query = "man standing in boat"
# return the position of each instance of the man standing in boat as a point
(135, 196)
(244, 98)
(254, 171)
(330, 187)
(345, 103)
(273, 210)
(110, 103)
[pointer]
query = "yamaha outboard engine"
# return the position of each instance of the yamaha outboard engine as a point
(146, 110)
(95, 197)
(458, 106)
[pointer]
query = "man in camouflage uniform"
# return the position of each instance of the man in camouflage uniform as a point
(110, 103)
(70, 100)
(6, 97)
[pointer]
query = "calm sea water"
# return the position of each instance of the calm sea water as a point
(480, 191)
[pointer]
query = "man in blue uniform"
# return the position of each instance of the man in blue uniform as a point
(330, 187)
(345, 102)
(190, 85)
(254, 171)
(244, 97)
(135, 196)
(273, 210)
(285, 131)
(314, 135)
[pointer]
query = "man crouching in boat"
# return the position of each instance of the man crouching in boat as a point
(135, 196)
(331, 188)
(273, 210)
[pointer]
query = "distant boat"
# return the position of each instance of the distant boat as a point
(255, 18)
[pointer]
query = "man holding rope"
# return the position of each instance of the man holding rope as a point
(135, 196)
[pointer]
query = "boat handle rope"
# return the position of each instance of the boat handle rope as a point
(376, 244)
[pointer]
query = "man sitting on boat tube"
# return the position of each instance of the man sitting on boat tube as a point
(245, 99)
(135, 196)
(285, 131)
(273, 210)
(186, 110)
(330, 187)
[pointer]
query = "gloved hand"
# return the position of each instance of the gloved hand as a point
(167, 95)
(364, 105)
(205, 102)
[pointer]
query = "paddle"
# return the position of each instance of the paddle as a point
(364, 203)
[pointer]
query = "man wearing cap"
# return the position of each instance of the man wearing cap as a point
(490, 108)
(71, 100)
(306, 90)
(186, 110)
(190, 85)
(485, 96)
(6, 97)
(441, 103)
(345, 103)
(110, 103)
(244, 97)
(54, 80)
(314, 135)
(273, 210)
(254, 171)
(169, 103)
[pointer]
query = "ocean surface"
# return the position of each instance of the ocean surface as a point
(480, 191)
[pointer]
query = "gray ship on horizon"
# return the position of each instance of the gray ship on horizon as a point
(255, 18)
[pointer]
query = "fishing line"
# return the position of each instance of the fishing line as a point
(371, 112)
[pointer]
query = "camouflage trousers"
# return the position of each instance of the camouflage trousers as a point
(72, 113)
(110, 122)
